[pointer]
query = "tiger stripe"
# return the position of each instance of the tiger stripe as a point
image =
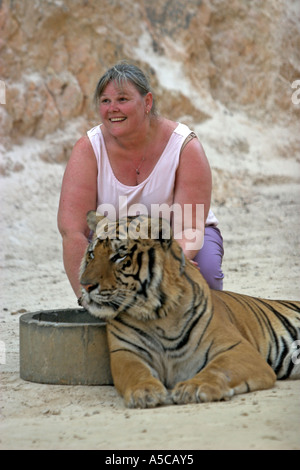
(171, 338)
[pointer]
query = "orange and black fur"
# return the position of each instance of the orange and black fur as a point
(171, 338)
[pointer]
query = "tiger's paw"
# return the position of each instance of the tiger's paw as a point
(193, 391)
(146, 395)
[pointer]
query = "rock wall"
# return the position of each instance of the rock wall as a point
(200, 54)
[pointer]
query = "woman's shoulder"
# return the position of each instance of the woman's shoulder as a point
(83, 143)
(164, 128)
(82, 149)
(167, 125)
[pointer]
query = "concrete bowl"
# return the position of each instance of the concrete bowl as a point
(66, 347)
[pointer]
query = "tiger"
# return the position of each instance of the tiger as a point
(172, 339)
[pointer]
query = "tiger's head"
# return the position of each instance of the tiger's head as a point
(125, 265)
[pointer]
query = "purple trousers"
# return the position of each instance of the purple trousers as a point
(209, 258)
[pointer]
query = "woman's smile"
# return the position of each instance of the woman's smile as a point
(117, 119)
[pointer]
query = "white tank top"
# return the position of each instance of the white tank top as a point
(157, 188)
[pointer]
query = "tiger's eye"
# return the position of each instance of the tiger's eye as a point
(117, 258)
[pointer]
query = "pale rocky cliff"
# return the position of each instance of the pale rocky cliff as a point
(225, 68)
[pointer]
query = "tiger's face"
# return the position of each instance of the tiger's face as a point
(119, 272)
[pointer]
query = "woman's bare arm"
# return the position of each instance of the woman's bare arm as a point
(78, 196)
(193, 186)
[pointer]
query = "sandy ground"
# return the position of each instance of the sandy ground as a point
(256, 199)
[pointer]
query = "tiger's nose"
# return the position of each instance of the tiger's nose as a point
(89, 287)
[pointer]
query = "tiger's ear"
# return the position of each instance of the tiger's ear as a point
(93, 219)
(155, 228)
(166, 242)
(165, 233)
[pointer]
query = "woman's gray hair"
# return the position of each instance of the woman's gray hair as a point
(121, 73)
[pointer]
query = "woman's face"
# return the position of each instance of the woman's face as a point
(123, 109)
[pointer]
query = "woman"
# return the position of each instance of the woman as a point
(138, 157)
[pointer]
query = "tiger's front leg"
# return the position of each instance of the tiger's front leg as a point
(239, 370)
(134, 381)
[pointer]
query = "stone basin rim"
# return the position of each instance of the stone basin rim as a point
(67, 317)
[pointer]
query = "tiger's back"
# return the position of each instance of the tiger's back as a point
(271, 326)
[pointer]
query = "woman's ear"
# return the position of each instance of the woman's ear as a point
(148, 102)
